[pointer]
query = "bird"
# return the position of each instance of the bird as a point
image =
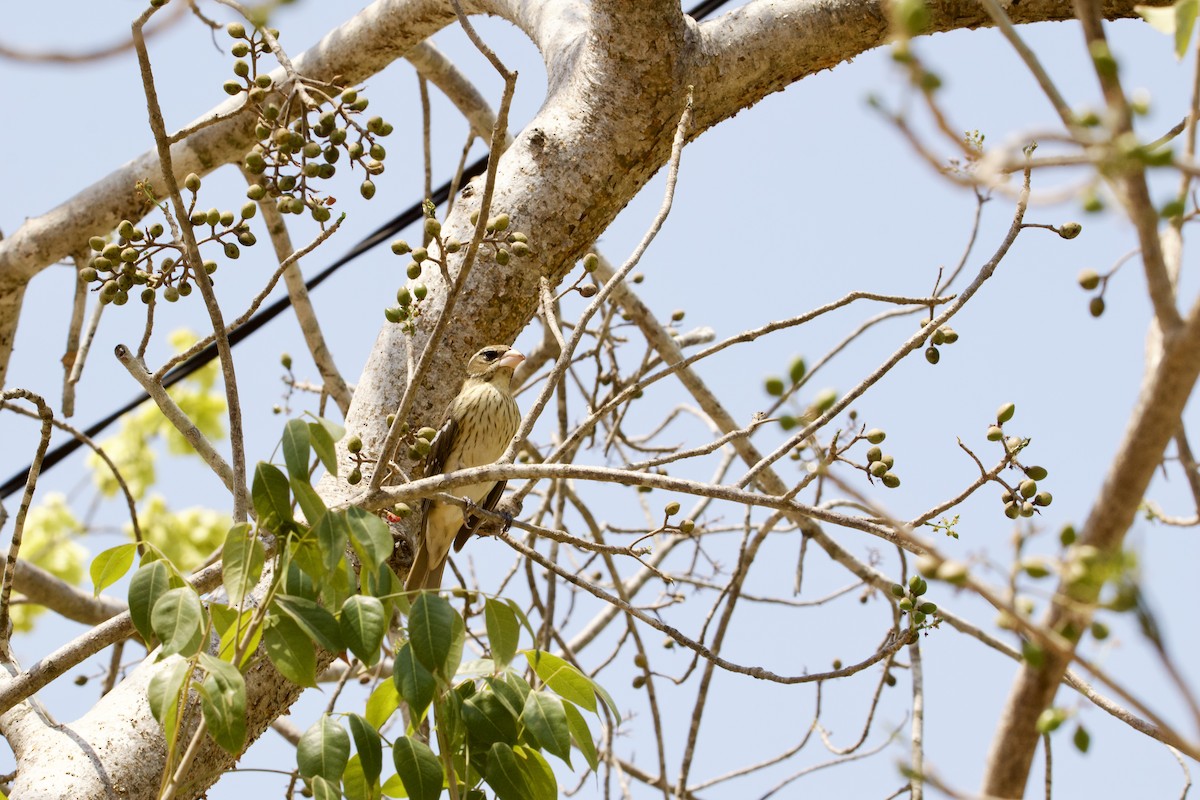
(475, 430)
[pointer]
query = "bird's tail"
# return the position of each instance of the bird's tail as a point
(422, 574)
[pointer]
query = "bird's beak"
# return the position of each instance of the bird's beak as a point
(511, 359)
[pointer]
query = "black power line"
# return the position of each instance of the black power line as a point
(386, 231)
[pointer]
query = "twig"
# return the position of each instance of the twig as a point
(71, 351)
(237, 479)
(172, 411)
(45, 414)
(306, 315)
(130, 503)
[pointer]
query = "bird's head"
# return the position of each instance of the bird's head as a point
(493, 361)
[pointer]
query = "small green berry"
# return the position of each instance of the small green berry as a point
(1005, 413)
(797, 370)
(1089, 279)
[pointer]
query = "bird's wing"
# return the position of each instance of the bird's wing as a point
(419, 574)
(439, 450)
(471, 525)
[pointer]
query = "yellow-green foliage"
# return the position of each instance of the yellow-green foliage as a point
(187, 536)
(49, 543)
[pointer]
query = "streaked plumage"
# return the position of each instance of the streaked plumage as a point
(476, 428)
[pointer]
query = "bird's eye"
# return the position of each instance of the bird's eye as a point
(490, 355)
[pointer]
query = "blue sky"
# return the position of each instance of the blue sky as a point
(791, 204)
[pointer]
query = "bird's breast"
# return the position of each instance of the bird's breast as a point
(487, 419)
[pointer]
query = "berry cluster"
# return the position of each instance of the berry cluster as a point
(143, 257)
(299, 144)
(943, 335)
(500, 244)
(1025, 499)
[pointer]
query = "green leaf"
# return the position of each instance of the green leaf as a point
(355, 785)
(370, 536)
(489, 719)
(233, 628)
(458, 640)
(323, 750)
(295, 449)
(368, 746)
(272, 501)
(566, 681)
(323, 434)
(418, 768)
(323, 789)
(242, 560)
(413, 682)
(1175, 20)
(1185, 22)
(430, 630)
(311, 504)
(505, 774)
(150, 582)
(333, 535)
(164, 691)
(178, 621)
(581, 735)
(538, 775)
(299, 584)
(608, 701)
(382, 703)
(290, 650)
(313, 619)
(111, 565)
(363, 625)
(223, 700)
(512, 691)
(503, 630)
(546, 723)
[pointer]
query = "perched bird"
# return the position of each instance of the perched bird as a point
(476, 428)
